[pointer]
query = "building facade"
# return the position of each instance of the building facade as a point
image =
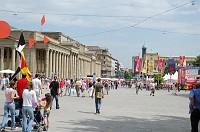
(106, 59)
(61, 56)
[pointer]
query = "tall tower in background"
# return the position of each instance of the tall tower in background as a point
(144, 50)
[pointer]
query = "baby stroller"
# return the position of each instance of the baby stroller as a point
(18, 117)
(38, 119)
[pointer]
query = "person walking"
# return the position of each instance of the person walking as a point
(54, 88)
(116, 84)
(37, 85)
(21, 85)
(195, 107)
(152, 86)
(78, 85)
(99, 94)
(67, 87)
(83, 88)
(62, 84)
(137, 86)
(90, 89)
(29, 100)
(71, 89)
(46, 104)
(106, 87)
(175, 86)
(9, 105)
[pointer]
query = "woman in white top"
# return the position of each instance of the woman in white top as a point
(9, 106)
(29, 98)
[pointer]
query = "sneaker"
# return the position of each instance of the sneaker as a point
(14, 128)
(2, 129)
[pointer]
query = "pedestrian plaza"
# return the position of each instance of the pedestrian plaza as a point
(122, 111)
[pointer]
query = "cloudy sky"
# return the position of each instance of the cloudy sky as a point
(83, 17)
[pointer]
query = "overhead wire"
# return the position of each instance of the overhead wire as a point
(71, 14)
(112, 30)
(134, 25)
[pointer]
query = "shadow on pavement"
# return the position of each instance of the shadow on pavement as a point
(130, 124)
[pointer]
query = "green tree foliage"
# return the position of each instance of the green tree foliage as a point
(128, 75)
(117, 73)
(158, 78)
(197, 61)
(166, 70)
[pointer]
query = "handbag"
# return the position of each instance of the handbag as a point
(99, 95)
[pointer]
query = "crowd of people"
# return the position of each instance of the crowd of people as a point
(27, 96)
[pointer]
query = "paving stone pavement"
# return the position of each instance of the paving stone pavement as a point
(122, 111)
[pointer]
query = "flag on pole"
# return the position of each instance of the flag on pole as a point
(43, 20)
(151, 67)
(137, 64)
(31, 42)
(144, 69)
(21, 44)
(23, 68)
(46, 40)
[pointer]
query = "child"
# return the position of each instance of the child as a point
(47, 101)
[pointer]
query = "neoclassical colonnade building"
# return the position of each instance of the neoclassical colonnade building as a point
(62, 55)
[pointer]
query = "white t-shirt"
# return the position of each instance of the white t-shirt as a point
(36, 84)
(29, 97)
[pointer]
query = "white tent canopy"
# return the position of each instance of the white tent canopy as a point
(175, 76)
(7, 71)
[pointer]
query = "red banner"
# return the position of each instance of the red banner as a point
(182, 63)
(137, 64)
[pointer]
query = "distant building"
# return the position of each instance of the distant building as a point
(107, 61)
(133, 64)
(154, 56)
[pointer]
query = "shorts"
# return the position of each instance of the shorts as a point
(46, 113)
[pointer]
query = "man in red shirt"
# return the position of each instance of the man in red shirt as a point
(21, 85)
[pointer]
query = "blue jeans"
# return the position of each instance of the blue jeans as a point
(97, 104)
(57, 104)
(9, 106)
(27, 112)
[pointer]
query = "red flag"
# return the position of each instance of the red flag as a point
(43, 20)
(46, 40)
(31, 42)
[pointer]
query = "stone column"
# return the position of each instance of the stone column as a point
(8, 58)
(59, 68)
(2, 59)
(47, 63)
(50, 63)
(57, 60)
(77, 67)
(64, 66)
(80, 70)
(54, 63)
(72, 66)
(13, 58)
(67, 66)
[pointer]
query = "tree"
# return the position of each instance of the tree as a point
(166, 70)
(128, 75)
(197, 61)
(158, 78)
(119, 74)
